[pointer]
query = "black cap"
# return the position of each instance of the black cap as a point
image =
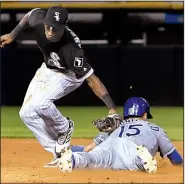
(56, 17)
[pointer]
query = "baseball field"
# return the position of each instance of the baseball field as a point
(22, 157)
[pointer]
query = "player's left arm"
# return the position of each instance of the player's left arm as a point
(100, 90)
(167, 149)
(83, 71)
(175, 158)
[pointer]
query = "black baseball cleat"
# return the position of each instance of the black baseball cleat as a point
(62, 143)
(65, 138)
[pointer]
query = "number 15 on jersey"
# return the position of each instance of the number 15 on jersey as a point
(134, 129)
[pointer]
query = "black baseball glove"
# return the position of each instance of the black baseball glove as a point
(108, 124)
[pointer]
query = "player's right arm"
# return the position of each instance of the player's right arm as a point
(167, 149)
(89, 147)
(101, 137)
(10, 37)
(96, 141)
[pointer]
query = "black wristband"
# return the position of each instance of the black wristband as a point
(16, 31)
(108, 101)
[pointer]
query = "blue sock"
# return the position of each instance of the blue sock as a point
(77, 148)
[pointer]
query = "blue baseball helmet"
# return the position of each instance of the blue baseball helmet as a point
(136, 107)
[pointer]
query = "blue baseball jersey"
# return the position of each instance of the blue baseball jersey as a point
(144, 133)
(141, 132)
(118, 150)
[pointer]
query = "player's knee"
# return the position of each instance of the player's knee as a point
(40, 107)
(23, 112)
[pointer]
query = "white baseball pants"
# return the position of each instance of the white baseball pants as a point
(38, 111)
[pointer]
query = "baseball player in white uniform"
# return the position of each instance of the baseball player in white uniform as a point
(64, 69)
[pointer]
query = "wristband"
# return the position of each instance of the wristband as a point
(108, 101)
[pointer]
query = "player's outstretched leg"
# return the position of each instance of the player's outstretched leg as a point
(66, 161)
(149, 162)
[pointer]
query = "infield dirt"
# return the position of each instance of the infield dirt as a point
(22, 161)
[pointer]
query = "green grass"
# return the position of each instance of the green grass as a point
(169, 118)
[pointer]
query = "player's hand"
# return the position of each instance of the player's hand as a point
(5, 39)
(107, 124)
(112, 111)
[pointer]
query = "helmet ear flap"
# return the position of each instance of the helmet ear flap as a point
(149, 116)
